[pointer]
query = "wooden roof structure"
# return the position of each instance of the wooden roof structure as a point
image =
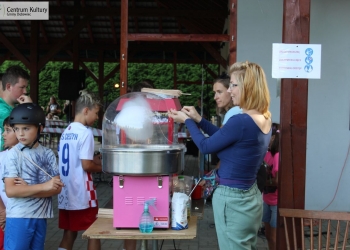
(151, 31)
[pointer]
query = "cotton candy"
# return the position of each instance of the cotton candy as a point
(135, 119)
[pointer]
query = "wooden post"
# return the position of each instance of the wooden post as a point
(34, 59)
(175, 70)
(100, 83)
(232, 32)
(124, 47)
(294, 93)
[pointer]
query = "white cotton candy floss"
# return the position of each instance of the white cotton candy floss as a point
(179, 211)
(135, 119)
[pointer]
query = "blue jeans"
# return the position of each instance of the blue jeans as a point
(237, 214)
(270, 215)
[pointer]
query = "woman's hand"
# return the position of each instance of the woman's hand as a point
(178, 116)
(192, 113)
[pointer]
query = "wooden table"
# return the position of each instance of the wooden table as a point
(103, 228)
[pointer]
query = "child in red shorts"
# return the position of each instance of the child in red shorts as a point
(77, 202)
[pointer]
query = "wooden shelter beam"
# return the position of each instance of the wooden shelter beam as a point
(20, 31)
(67, 38)
(88, 26)
(100, 74)
(83, 65)
(294, 100)
(146, 46)
(175, 70)
(14, 50)
(207, 46)
(179, 37)
(7, 56)
(43, 32)
(212, 73)
(232, 31)
(138, 12)
(89, 72)
(112, 73)
(63, 19)
(33, 66)
(114, 34)
(124, 47)
(215, 53)
(100, 84)
(76, 43)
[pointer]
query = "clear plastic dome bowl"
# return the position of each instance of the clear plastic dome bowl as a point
(139, 138)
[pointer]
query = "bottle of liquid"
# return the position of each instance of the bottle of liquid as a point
(146, 221)
(181, 184)
(189, 206)
(175, 183)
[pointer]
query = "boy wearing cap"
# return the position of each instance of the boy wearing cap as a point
(30, 202)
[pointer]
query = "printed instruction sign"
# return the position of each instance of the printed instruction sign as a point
(24, 10)
(296, 61)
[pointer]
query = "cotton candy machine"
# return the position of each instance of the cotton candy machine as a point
(140, 147)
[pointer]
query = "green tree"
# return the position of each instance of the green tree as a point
(161, 74)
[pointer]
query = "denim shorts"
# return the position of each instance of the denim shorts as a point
(237, 214)
(270, 215)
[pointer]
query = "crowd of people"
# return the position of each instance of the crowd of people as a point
(31, 175)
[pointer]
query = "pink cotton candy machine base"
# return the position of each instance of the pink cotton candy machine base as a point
(129, 195)
(140, 147)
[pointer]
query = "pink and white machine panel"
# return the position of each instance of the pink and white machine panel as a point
(129, 195)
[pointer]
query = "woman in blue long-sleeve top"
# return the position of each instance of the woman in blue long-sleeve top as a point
(241, 146)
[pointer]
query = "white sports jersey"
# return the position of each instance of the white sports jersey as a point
(76, 144)
(2, 186)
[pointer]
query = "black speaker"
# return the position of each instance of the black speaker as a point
(71, 81)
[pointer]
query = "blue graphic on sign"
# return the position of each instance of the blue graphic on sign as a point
(308, 68)
(309, 51)
(308, 60)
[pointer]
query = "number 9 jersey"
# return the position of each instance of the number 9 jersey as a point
(76, 144)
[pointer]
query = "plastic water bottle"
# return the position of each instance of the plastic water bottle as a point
(146, 221)
(181, 184)
(189, 207)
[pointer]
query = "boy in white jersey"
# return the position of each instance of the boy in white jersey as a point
(30, 205)
(77, 202)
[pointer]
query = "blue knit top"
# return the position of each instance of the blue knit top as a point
(240, 146)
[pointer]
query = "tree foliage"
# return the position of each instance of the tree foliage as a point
(162, 75)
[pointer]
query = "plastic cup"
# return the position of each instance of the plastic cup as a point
(197, 193)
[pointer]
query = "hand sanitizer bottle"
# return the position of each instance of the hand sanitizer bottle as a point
(146, 222)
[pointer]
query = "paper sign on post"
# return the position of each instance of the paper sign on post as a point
(296, 61)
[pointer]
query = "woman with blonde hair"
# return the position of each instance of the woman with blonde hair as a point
(241, 146)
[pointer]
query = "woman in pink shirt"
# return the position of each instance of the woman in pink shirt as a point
(271, 192)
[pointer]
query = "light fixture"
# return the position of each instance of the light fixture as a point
(116, 85)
